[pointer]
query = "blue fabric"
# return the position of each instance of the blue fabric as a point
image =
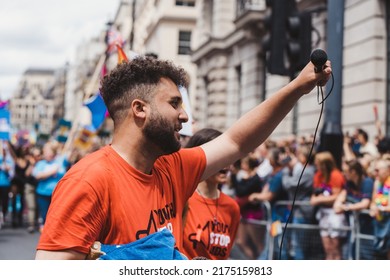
(157, 246)
(364, 190)
(4, 179)
(4, 124)
(98, 110)
(301, 249)
(5, 176)
(46, 186)
(43, 202)
(281, 212)
(382, 234)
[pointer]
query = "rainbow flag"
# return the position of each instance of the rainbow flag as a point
(276, 228)
(121, 55)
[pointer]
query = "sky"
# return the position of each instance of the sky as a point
(45, 34)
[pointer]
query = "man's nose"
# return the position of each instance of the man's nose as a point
(183, 116)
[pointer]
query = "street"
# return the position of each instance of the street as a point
(17, 244)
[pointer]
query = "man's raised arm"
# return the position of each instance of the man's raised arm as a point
(254, 127)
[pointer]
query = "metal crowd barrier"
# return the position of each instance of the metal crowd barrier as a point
(364, 237)
(357, 245)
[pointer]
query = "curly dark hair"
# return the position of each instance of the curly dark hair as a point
(137, 78)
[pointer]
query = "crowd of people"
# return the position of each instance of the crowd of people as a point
(226, 202)
(327, 194)
(29, 174)
(202, 194)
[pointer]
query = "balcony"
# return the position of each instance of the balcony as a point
(246, 6)
(250, 13)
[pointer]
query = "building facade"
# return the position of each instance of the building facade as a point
(165, 28)
(231, 67)
(38, 103)
(160, 28)
(219, 43)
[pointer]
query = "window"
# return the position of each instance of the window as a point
(188, 3)
(184, 42)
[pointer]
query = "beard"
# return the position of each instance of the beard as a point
(160, 132)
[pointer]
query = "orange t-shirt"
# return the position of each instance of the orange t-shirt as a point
(103, 198)
(336, 180)
(202, 238)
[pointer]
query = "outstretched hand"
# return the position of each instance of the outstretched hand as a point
(308, 78)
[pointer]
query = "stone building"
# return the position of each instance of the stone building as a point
(38, 102)
(166, 28)
(161, 28)
(219, 43)
(231, 73)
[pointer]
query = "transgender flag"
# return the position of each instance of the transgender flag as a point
(4, 123)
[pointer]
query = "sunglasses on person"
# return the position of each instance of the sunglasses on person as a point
(223, 171)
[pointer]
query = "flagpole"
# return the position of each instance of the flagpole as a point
(90, 87)
(87, 93)
(95, 76)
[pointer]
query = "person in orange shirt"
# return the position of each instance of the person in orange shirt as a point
(211, 218)
(139, 184)
(328, 183)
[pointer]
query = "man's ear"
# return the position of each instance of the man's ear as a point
(139, 108)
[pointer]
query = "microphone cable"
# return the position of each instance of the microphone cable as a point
(320, 102)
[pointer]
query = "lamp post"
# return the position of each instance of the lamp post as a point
(331, 133)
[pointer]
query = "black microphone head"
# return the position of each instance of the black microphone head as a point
(318, 57)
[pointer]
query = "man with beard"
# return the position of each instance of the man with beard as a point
(139, 184)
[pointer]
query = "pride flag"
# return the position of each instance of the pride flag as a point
(4, 104)
(121, 55)
(4, 124)
(276, 228)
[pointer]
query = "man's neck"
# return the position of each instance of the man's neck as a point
(138, 156)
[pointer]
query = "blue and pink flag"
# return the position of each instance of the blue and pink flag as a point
(4, 124)
(4, 104)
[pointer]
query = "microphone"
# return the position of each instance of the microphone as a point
(318, 57)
